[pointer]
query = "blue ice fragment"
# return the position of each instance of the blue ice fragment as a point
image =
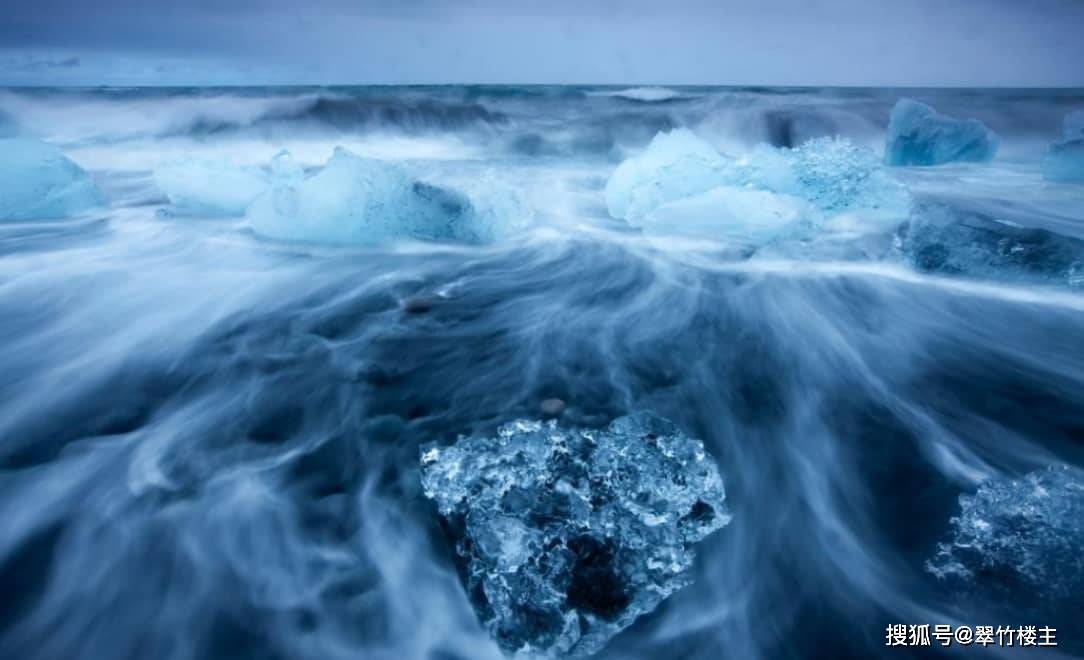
(359, 201)
(1065, 160)
(37, 181)
(1019, 538)
(675, 165)
(566, 536)
(837, 175)
(919, 135)
(953, 241)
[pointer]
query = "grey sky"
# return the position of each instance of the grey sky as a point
(811, 42)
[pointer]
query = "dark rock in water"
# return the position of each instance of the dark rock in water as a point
(942, 239)
(552, 407)
(1020, 539)
(566, 536)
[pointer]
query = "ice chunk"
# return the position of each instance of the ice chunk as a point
(37, 181)
(1065, 161)
(676, 164)
(208, 187)
(566, 536)
(954, 241)
(1022, 537)
(740, 216)
(837, 175)
(355, 200)
(919, 135)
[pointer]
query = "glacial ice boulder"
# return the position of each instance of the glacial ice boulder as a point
(1065, 160)
(566, 536)
(919, 135)
(208, 187)
(675, 164)
(364, 201)
(1018, 539)
(37, 181)
(943, 239)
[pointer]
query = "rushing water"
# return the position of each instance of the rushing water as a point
(209, 440)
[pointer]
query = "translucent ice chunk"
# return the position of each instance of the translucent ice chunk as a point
(837, 175)
(1024, 535)
(943, 239)
(355, 200)
(208, 187)
(919, 135)
(676, 164)
(1065, 161)
(566, 536)
(498, 211)
(37, 181)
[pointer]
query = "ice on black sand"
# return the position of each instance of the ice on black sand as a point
(566, 536)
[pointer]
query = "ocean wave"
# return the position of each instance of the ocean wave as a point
(644, 94)
(123, 115)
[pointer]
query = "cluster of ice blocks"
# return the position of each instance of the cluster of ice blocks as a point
(681, 184)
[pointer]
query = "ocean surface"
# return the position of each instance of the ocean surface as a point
(209, 438)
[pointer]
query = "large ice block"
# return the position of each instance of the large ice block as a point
(37, 181)
(947, 240)
(360, 201)
(919, 135)
(566, 536)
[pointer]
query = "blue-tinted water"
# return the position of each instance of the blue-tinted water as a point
(209, 439)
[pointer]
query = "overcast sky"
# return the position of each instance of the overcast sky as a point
(768, 42)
